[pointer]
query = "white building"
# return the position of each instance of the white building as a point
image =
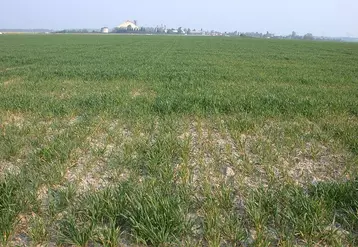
(197, 33)
(104, 30)
(128, 24)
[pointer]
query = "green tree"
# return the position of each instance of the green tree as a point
(308, 36)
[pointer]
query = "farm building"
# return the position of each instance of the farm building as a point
(104, 30)
(197, 33)
(128, 24)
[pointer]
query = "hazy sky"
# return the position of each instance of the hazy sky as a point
(320, 17)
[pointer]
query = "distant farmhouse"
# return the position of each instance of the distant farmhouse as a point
(128, 25)
(197, 33)
(104, 30)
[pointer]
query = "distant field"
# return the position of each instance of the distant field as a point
(177, 141)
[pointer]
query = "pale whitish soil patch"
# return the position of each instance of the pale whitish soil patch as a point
(9, 168)
(12, 81)
(13, 118)
(308, 161)
(42, 195)
(255, 160)
(142, 92)
(91, 171)
(212, 154)
(300, 165)
(316, 163)
(53, 131)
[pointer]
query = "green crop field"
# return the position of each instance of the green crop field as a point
(116, 140)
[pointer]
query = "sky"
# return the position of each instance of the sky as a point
(321, 17)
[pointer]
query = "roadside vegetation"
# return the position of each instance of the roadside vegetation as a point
(177, 141)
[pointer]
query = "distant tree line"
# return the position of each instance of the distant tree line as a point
(293, 35)
(188, 31)
(76, 31)
(152, 30)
